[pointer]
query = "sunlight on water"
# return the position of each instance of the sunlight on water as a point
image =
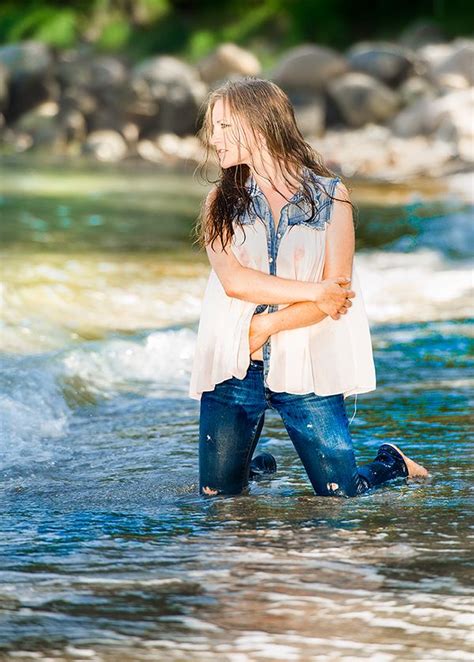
(52, 300)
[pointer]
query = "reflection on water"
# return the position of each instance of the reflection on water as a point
(107, 550)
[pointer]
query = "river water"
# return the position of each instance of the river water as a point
(107, 550)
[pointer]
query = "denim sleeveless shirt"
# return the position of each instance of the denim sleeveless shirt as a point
(326, 358)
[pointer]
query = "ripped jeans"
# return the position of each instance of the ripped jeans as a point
(231, 420)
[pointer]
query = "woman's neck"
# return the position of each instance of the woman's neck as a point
(272, 178)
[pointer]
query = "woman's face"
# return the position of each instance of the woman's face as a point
(230, 137)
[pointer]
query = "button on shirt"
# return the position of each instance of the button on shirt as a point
(326, 358)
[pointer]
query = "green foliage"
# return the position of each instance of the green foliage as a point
(146, 12)
(59, 30)
(251, 22)
(53, 26)
(115, 35)
(192, 29)
(201, 43)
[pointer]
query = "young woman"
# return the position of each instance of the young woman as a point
(280, 326)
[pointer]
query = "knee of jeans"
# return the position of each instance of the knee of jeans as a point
(334, 489)
(226, 492)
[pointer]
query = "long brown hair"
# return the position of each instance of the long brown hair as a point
(269, 113)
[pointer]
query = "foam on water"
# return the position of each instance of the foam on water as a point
(37, 395)
(32, 407)
(41, 394)
(161, 361)
(410, 287)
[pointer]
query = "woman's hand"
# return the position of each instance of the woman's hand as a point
(333, 298)
(260, 331)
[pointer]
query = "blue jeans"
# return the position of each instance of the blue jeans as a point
(231, 420)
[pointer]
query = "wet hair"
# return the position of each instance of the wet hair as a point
(268, 113)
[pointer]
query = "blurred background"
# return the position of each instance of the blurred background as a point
(106, 550)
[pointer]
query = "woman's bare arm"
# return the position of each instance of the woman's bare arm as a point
(253, 285)
(340, 246)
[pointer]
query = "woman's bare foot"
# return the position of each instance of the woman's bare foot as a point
(414, 469)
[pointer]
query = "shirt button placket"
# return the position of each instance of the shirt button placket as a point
(271, 265)
(273, 245)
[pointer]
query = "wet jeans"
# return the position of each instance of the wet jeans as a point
(231, 420)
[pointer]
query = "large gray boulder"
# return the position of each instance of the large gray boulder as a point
(362, 99)
(26, 60)
(3, 87)
(389, 63)
(73, 124)
(228, 61)
(30, 72)
(85, 69)
(41, 125)
(95, 86)
(106, 145)
(309, 67)
(416, 88)
(311, 116)
(310, 111)
(171, 87)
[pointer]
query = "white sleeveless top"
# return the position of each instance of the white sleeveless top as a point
(326, 358)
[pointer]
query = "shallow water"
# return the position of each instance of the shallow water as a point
(107, 550)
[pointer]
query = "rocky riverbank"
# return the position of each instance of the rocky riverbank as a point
(384, 110)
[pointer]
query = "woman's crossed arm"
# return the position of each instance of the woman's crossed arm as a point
(340, 246)
(248, 284)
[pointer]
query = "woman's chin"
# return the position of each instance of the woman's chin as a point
(228, 163)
